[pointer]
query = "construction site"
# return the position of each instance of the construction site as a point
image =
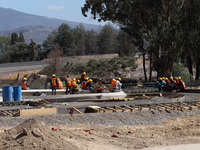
(138, 117)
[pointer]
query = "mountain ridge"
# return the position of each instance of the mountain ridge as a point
(14, 20)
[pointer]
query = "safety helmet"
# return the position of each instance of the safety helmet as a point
(74, 83)
(163, 78)
(179, 78)
(119, 79)
(24, 79)
(53, 75)
(171, 78)
(113, 79)
(86, 78)
(58, 79)
(90, 80)
(84, 73)
(78, 81)
(160, 79)
(166, 78)
(73, 79)
(99, 79)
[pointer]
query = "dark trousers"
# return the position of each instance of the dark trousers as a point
(53, 90)
(68, 88)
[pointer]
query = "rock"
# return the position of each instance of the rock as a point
(36, 132)
(25, 131)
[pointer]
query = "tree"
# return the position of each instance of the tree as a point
(21, 37)
(49, 42)
(153, 25)
(91, 42)
(65, 39)
(79, 40)
(107, 39)
(14, 38)
(125, 47)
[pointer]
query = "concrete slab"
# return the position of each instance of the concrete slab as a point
(75, 97)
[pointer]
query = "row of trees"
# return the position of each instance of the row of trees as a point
(167, 31)
(79, 41)
(14, 49)
(73, 42)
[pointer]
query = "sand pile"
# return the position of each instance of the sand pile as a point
(33, 134)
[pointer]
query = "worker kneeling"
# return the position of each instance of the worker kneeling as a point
(89, 85)
(99, 88)
(74, 88)
(24, 84)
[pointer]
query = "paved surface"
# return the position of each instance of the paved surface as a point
(21, 66)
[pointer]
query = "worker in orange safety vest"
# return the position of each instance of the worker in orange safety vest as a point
(60, 84)
(54, 84)
(24, 84)
(68, 84)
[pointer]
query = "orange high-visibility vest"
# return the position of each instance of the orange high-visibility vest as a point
(60, 85)
(69, 81)
(53, 82)
(24, 85)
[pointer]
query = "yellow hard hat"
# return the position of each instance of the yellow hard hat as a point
(53, 75)
(74, 79)
(24, 79)
(84, 73)
(86, 78)
(113, 79)
(166, 78)
(163, 78)
(74, 83)
(119, 79)
(78, 81)
(171, 78)
(160, 79)
(90, 80)
(179, 78)
(58, 78)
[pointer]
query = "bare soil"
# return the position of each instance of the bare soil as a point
(173, 131)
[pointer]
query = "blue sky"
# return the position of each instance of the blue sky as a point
(69, 10)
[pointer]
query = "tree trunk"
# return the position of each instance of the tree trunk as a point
(198, 66)
(144, 68)
(150, 67)
(189, 59)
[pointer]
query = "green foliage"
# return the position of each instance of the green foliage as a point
(94, 67)
(179, 70)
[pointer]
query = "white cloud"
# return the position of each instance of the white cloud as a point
(55, 7)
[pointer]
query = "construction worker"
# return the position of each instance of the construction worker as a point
(99, 88)
(173, 83)
(83, 76)
(83, 84)
(89, 85)
(181, 84)
(24, 84)
(112, 86)
(118, 84)
(60, 84)
(161, 84)
(74, 87)
(68, 84)
(54, 84)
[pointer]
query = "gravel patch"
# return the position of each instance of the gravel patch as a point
(114, 119)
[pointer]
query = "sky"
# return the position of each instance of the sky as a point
(69, 10)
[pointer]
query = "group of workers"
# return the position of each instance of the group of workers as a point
(171, 84)
(85, 83)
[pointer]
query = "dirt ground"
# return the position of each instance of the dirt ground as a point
(34, 134)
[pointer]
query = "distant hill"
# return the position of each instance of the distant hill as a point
(32, 26)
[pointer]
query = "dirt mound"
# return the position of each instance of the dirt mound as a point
(33, 134)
